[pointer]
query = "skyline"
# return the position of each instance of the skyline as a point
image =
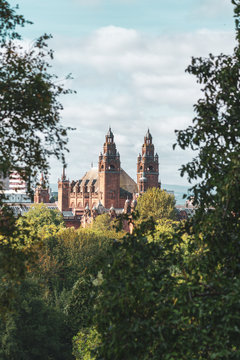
(128, 61)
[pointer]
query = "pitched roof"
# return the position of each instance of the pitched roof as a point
(126, 182)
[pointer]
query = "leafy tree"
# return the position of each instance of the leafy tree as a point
(30, 112)
(33, 330)
(9, 21)
(177, 297)
(30, 128)
(42, 221)
(102, 223)
(80, 255)
(135, 314)
(84, 344)
(156, 203)
(215, 133)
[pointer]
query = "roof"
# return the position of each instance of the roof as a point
(90, 175)
(126, 182)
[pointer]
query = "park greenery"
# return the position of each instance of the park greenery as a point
(156, 203)
(30, 131)
(169, 290)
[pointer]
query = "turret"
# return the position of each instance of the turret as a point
(64, 188)
(147, 166)
(41, 194)
(109, 173)
(127, 207)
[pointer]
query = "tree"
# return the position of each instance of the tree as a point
(30, 111)
(33, 330)
(156, 203)
(41, 221)
(178, 297)
(135, 315)
(85, 343)
(30, 128)
(102, 223)
(215, 136)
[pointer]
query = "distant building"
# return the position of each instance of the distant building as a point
(147, 166)
(107, 188)
(13, 181)
(16, 197)
(16, 182)
(41, 194)
(109, 185)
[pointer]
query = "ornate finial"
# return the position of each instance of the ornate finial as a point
(148, 135)
(148, 138)
(41, 179)
(110, 134)
(63, 173)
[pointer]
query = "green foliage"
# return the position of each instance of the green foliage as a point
(30, 112)
(81, 301)
(9, 21)
(133, 312)
(156, 203)
(215, 133)
(67, 264)
(64, 264)
(166, 228)
(33, 330)
(172, 292)
(41, 221)
(102, 223)
(84, 344)
(30, 129)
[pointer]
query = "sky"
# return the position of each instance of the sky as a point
(128, 60)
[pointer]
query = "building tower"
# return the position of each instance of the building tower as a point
(41, 194)
(109, 173)
(147, 166)
(63, 192)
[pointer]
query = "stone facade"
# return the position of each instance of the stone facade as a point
(109, 185)
(147, 166)
(41, 194)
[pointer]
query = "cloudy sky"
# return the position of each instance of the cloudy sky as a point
(127, 58)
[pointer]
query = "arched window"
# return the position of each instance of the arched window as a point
(111, 167)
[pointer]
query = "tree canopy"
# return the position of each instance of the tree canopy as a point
(176, 297)
(30, 117)
(156, 203)
(30, 128)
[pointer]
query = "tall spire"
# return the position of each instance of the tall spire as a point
(147, 165)
(42, 179)
(148, 138)
(109, 136)
(63, 173)
(109, 172)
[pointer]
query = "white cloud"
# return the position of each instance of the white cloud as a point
(132, 81)
(214, 8)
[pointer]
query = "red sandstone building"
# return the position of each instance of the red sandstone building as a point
(109, 185)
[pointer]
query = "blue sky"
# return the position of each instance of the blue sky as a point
(75, 17)
(127, 58)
